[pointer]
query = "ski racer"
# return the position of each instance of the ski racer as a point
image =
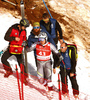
(43, 53)
(15, 35)
(33, 37)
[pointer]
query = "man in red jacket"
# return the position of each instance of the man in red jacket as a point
(15, 35)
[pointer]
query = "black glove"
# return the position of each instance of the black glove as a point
(24, 43)
(60, 57)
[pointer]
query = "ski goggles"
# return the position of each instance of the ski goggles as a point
(36, 27)
(41, 39)
(62, 47)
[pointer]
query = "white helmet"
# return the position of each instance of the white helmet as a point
(43, 35)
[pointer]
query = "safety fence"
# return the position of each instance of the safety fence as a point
(10, 89)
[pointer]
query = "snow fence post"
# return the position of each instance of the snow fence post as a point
(22, 8)
(22, 79)
(18, 82)
(60, 98)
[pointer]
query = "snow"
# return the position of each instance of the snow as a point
(83, 65)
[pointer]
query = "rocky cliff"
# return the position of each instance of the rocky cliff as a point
(73, 16)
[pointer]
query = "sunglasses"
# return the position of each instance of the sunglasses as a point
(36, 27)
(62, 47)
(45, 20)
(41, 39)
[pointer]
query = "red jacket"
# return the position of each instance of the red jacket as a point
(15, 47)
(21, 35)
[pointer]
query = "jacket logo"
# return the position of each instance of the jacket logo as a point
(24, 22)
(66, 54)
(51, 25)
(16, 50)
(15, 33)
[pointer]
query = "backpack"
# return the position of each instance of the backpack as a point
(71, 47)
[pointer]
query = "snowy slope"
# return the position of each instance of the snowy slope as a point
(9, 88)
(83, 65)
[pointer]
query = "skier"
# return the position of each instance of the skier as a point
(68, 68)
(15, 35)
(33, 37)
(43, 52)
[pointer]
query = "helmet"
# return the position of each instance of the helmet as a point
(43, 35)
(24, 22)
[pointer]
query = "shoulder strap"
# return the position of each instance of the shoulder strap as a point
(70, 53)
(71, 47)
(59, 50)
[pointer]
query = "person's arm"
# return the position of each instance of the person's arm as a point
(57, 55)
(58, 28)
(29, 41)
(53, 49)
(7, 35)
(33, 46)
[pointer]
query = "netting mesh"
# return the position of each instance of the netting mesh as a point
(33, 90)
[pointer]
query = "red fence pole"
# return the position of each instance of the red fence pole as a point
(60, 98)
(22, 79)
(18, 82)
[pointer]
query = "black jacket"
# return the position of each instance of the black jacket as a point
(7, 35)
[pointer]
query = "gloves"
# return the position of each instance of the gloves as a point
(24, 43)
(61, 58)
(1, 52)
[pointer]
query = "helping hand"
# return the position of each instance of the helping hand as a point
(17, 39)
(71, 74)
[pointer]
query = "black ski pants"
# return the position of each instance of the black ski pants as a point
(64, 73)
(6, 64)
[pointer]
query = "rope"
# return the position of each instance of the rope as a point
(47, 9)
